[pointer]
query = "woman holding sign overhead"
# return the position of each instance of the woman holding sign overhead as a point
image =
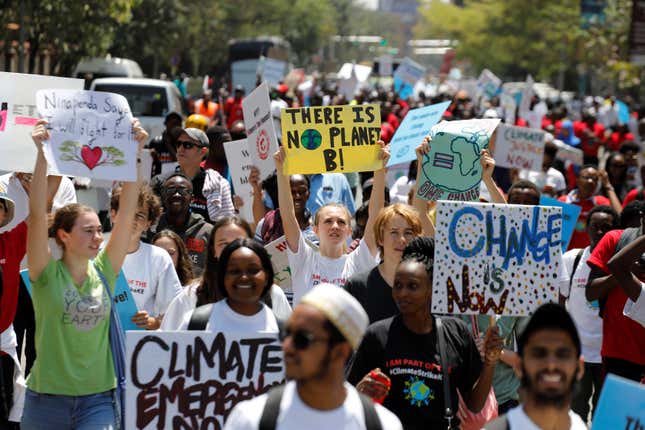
(403, 361)
(72, 382)
(332, 224)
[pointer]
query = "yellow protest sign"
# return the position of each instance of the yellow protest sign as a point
(326, 139)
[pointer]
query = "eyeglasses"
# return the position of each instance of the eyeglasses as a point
(171, 191)
(301, 339)
(186, 144)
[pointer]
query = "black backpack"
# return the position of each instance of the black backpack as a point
(271, 411)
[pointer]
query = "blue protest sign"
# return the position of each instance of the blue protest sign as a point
(570, 215)
(404, 89)
(621, 405)
(623, 112)
(125, 304)
(452, 170)
(414, 127)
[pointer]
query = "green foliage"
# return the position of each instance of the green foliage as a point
(113, 151)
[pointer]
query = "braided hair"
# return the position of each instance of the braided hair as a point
(420, 250)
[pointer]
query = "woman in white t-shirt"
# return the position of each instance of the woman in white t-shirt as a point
(330, 263)
(204, 291)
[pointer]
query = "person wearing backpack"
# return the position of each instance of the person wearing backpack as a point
(324, 329)
(600, 220)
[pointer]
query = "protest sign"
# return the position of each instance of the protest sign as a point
(406, 76)
(18, 114)
(260, 131)
(91, 134)
(273, 71)
(385, 65)
(278, 252)
(509, 107)
(527, 96)
(238, 157)
(488, 84)
(621, 405)
(495, 259)
(570, 215)
(331, 139)
(125, 304)
(192, 380)
(568, 153)
(414, 127)
(451, 170)
(519, 147)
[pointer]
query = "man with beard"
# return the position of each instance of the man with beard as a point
(550, 365)
(323, 330)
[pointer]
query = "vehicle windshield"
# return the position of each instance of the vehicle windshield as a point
(143, 100)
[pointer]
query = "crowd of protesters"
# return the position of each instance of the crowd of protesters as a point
(361, 254)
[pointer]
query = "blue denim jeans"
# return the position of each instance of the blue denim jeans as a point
(54, 411)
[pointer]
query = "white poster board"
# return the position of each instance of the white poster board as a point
(193, 379)
(495, 259)
(91, 134)
(18, 114)
(519, 147)
(273, 71)
(488, 83)
(385, 65)
(278, 252)
(527, 95)
(239, 161)
(260, 131)
(410, 71)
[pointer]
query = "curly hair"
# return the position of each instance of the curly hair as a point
(420, 250)
(184, 267)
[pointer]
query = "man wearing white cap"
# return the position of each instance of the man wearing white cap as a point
(323, 330)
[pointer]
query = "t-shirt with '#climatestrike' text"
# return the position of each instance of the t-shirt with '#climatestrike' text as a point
(72, 331)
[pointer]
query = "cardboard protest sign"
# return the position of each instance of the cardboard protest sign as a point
(169, 372)
(260, 131)
(519, 147)
(488, 84)
(278, 252)
(621, 405)
(273, 71)
(331, 139)
(570, 215)
(569, 153)
(18, 115)
(414, 127)
(495, 259)
(451, 170)
(239, 161)
(91, 134)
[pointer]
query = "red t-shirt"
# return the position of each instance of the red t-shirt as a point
(387, 132)
(579, 238)
(622, 337)
(13, 246)
(233, 109)
(616, 140)
(589, 146)
(631, 196)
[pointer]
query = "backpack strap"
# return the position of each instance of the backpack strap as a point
(500, 423)
(447, 400)
(372, 421)
(575, 266)
(200, 316)
(269, 419)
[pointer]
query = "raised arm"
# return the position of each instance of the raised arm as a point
(419, 204)
(38, 253)
(377, 199)
(611, 193)
(287, 211)
(117, 246)
(258, 205)
(620, 267)
(488, 166)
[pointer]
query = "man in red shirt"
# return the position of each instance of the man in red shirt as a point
(584, 197)
(623, 339)
(591, 134)
(233, 107)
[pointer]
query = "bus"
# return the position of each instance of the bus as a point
(247, 57)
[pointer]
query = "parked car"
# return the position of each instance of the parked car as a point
(106, 67)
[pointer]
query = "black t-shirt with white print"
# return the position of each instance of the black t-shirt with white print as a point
(413, 363)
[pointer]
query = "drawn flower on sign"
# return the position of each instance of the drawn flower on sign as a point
(91, 156)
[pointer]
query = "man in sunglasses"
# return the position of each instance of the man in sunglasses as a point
(320, 336)
(211, 192)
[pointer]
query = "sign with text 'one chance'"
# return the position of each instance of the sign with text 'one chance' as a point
(325, 139)
(495, 259)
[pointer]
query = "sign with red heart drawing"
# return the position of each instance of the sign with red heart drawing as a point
(91, 134)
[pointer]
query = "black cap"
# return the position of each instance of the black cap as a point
(550, 316)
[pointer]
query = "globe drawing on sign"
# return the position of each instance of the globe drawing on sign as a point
(453, 162)
(417, 392)
(311, 139)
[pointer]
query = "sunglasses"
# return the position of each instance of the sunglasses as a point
(301, 339)
(171, 191)
(186, 144)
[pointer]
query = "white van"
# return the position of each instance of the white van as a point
(150, 99)
(106, 67)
